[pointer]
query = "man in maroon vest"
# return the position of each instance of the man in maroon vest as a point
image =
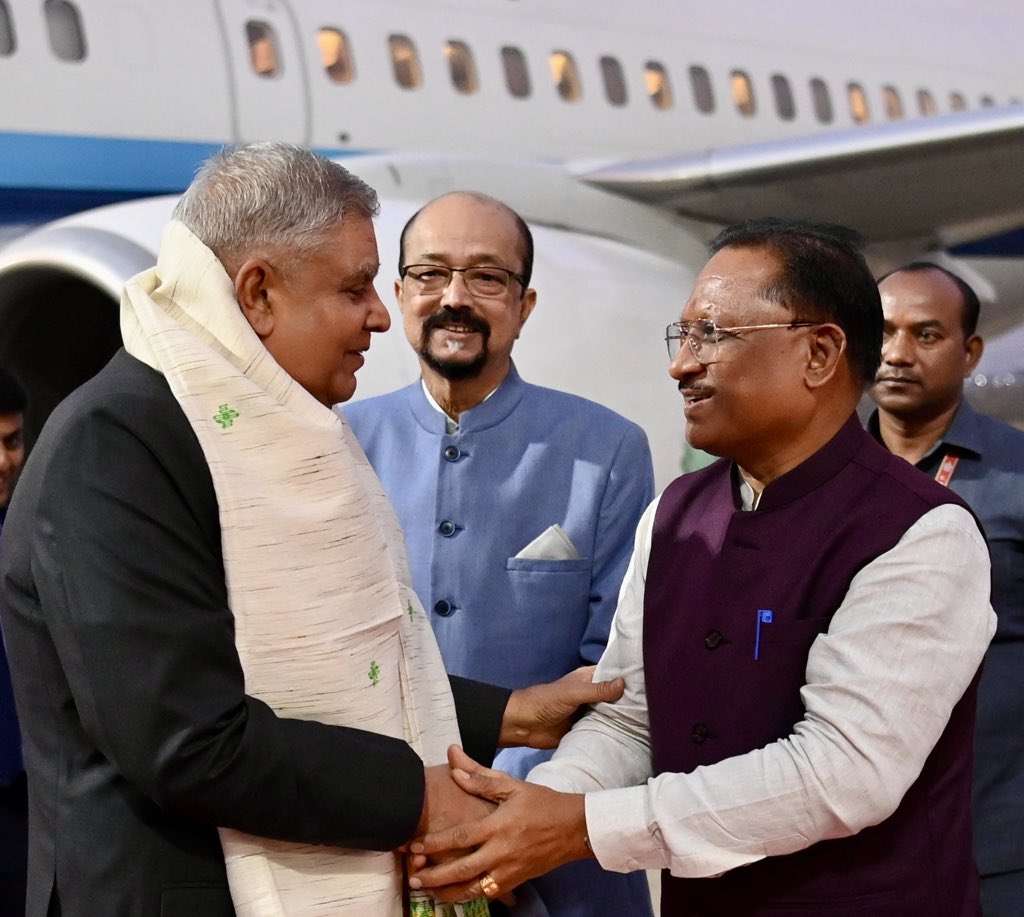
(800, 631)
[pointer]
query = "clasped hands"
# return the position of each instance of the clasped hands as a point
(481, 825)
(512, 831)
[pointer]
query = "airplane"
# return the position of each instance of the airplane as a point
(626, 134)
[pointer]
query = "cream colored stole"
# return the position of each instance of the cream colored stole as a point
(327, 624)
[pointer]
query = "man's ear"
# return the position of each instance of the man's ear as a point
(975, 345)
(400, 295)
(254, 283)
(526, 305)
(826, 346)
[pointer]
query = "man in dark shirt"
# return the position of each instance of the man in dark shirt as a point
(929, 346)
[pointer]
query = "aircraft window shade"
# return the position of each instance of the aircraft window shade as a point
(822, 101)
(785, 106)
(461, 66)
(703, 94)
(263, 54)
(987, 101)
(926, 102)
(517, 76)
(957, 102)
(7, 40)
(566, 76)
(64, 26)
(659, 89)
(858, 99)
(742, 93)
(405, 62)
(892, 103)
(336, 55)
(614, 80)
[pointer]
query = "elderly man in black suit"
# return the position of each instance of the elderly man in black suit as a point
(209, 623)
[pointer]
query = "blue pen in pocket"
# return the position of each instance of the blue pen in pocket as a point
(764, 616)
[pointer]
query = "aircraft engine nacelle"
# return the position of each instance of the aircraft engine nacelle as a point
(60, 286)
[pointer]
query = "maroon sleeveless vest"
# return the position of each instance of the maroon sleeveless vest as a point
(713, 568)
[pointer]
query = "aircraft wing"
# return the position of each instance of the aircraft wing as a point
(945, 179)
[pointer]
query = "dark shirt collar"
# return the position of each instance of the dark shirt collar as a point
(964, 434)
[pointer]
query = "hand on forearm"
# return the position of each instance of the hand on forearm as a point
(540, 715)
(532, 831)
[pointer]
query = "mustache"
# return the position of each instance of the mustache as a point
(883, 376)
(694, 388)
(447, 315)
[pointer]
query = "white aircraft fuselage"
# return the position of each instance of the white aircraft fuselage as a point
(626, 133)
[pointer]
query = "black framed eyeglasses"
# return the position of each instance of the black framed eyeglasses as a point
(433, 279)
(704, 336)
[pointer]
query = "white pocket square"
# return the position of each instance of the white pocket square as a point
(551, 544)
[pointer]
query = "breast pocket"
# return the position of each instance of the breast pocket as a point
(550, 604)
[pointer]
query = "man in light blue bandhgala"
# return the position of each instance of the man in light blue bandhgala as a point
(518, 503)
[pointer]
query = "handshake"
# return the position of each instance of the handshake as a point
(482, 832)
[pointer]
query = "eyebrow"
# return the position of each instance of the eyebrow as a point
(365, 272)
(917, 326)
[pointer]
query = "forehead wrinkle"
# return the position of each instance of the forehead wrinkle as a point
(484, 257)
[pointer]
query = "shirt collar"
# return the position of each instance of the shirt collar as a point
(492, 410)
(964, 433)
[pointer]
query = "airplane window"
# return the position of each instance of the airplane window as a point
(703, 96)
(566, 76)
(926, 102)
(614, 80)
(822, 101)
(336, 55)
(65, 29)
(461, 66)
(517, 77)
(987, 101)
(858, 99)
(957, 102)
(405, 62)
(262, 48)
(742, 93)
(659, 89)
(7, 42)
(784, 104)
(892, 102)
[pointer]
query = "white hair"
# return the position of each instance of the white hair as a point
(271, 197)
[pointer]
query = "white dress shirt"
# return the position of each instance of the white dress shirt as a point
(880, 685)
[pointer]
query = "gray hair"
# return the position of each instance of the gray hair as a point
(267, 197)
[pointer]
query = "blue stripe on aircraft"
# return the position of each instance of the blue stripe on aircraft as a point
(46, 176)
(76, 163)
(1005, 245)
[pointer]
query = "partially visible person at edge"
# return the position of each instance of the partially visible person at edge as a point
(207, 602)
(929, 346)
(521, 586)
(13, 791)
(800, 632)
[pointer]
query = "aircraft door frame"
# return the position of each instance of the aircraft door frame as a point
(273, 104)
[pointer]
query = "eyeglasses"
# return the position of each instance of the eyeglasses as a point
(480, 281)
(704, 336)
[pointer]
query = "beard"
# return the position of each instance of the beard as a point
(448, 367)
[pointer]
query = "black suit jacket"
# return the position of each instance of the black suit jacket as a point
(139, 738)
